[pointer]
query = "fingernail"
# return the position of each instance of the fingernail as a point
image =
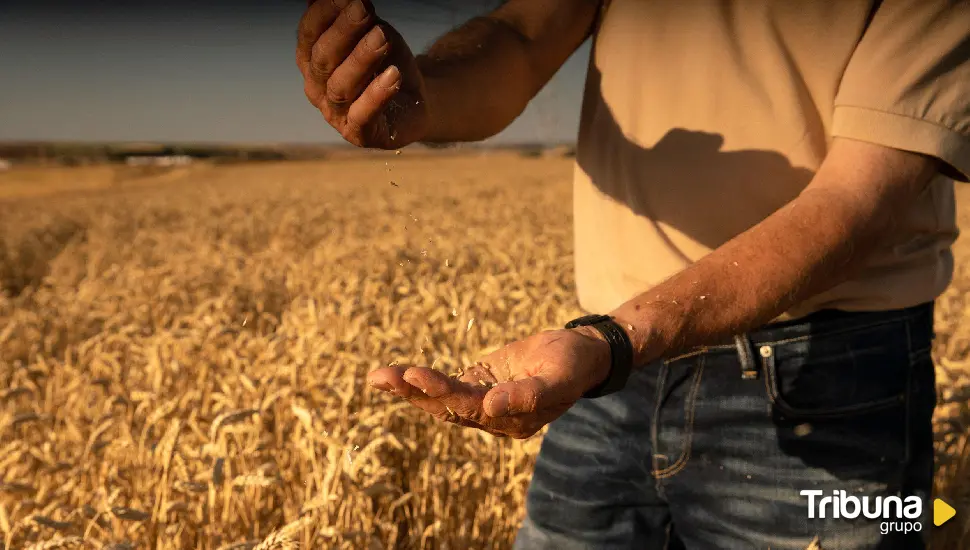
(389, 77)
(410, 380)
(383, 386)
(500, 404)
(356, 11)
(375, 38)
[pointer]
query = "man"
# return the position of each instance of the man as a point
(764, 207)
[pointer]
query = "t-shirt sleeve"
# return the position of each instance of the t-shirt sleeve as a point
(907, 84)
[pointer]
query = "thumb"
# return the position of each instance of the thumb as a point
(527, 396)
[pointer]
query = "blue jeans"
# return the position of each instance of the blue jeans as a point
(712, 449)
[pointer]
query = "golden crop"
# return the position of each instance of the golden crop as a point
(182, 355)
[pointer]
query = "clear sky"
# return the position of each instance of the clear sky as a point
(210, 70)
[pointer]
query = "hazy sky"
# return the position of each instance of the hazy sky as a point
(211, 70)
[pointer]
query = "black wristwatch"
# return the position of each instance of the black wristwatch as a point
(621, 353)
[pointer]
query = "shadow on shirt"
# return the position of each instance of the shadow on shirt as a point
(685, 180)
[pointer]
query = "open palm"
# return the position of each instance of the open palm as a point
(514, 391)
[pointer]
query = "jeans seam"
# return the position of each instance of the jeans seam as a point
(697, 352)
(918, 354)
(778, 401)
(782, 406)
(654, 421)
(908, 401)
(691, 404)
(767, 365)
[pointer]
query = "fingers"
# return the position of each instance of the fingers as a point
(449, 397)
(372, 103)
(424, 387)
(319, 16)
(464, 402)
(391, 379)
(351, 77)
(344, 52)
(462, 397)
(339, 40)
(526, 396)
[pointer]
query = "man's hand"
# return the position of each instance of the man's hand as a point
(361, 74)
(514, 391)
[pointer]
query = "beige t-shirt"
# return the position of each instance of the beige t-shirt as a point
(702, 117)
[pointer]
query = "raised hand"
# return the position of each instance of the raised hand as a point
(361, 75)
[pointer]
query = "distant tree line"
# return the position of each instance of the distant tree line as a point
(78, 154)
(72, 154)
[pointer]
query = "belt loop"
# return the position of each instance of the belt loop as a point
(749, 369)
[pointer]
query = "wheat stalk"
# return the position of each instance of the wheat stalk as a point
(183, 356)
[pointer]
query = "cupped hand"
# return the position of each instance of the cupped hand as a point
(361, 75)
(514, 391)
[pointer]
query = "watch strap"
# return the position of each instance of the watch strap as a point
(621, 353)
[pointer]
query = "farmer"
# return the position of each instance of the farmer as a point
(764, 208)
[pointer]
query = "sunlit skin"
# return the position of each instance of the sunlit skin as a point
(361, 74)
(537, 379)
(813, 243)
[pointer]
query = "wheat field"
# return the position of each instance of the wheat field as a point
(182, 353)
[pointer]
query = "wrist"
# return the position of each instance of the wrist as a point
(644, 328)
(431, 87)
(611, 362)
(603, 361)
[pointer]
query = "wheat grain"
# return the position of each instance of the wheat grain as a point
(228, 419)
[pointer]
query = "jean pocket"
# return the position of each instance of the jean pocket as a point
(840, 375)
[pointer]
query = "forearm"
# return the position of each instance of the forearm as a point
(478, 80)
(815, 242)
(481, 76)
(803, 249)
